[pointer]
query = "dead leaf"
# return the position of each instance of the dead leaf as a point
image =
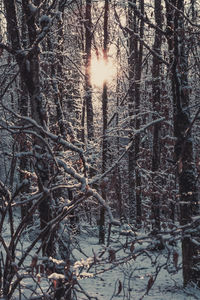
(175, 259)
(38, 278)
(150, 284)
(34, 262)
(119, 288)
(132, 248)
(112, 255)
(55, 283)
(42, 269)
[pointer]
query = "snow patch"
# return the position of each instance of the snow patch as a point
(56, 276)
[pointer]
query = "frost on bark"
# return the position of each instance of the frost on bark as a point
(184, 146)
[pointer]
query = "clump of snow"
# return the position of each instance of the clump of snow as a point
(56, 261)
(83, 263)
(56, 276)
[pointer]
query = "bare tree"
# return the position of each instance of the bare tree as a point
(156, 102)
(29, 71)
(135, 69)
(188, 197)
(88, 87)
(105, 123)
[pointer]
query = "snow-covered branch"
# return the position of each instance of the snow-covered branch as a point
(134, 134)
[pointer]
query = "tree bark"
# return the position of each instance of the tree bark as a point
(105, 124)
(30, 76)
(184, 147)
(138, 73)
(131, 157)
(88, 86)
(156, 103)
(135, 69)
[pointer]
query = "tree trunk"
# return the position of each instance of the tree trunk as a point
(23, 108)
(135, 69)
(88, 86)
(39, 114)
(117, 174)
(156, 103)
(184, 149)
(105, 125)
(131, 157)
(138, 72)
(30, 76)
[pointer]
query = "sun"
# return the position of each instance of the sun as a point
(102, 71)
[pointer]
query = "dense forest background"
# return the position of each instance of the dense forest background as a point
(99, 127)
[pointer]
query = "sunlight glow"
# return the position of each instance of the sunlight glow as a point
(102, 71)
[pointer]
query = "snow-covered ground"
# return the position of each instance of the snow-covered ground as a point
(130, 280)
(125, 268)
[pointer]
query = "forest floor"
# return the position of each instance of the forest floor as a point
(123, 277)
(124, 268)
